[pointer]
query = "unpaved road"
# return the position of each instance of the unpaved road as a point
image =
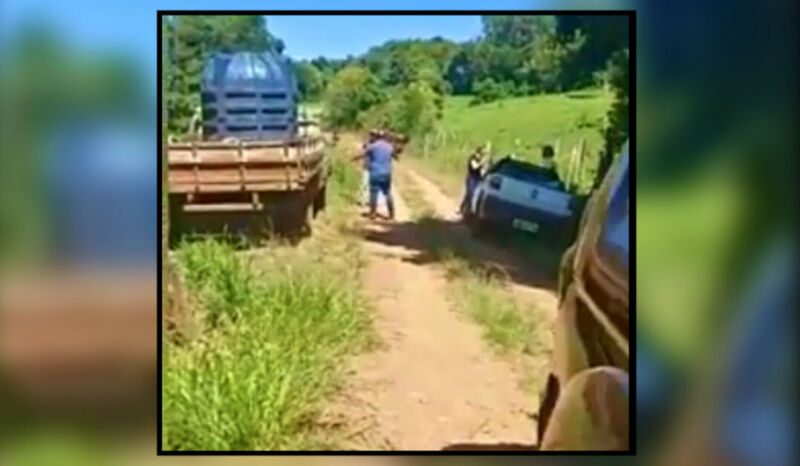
(435, 382)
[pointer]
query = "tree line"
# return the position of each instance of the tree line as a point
(401, 84)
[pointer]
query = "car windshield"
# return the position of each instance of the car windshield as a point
(529, 173)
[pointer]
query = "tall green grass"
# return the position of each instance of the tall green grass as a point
(271, 352)
(345, 180)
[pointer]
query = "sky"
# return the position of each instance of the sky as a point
(131, 25)
(338, 36)
(128, 28)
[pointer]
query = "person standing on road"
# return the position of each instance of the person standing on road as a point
(378, 156)
(475, 169)
(548, 160)
(373, 134)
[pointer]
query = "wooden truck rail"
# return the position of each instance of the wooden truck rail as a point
(229, 176)
(200, 167)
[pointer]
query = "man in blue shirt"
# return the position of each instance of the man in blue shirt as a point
(373, 134)
(379, 155)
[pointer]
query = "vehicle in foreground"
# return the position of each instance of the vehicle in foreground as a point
(585, 402)
(519, 195)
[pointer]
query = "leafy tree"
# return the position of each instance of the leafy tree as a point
(351, 92)
(404, 66)
(415, 110)
(460, 73)
(548, 56)
(619, 115)
(411, 111)
(605, 34)
(395, 61)
(617, 129)
(488, 90)
(517, 31)
(310, 81)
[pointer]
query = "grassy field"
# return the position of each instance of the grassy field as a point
(519, 125)
(277, 322)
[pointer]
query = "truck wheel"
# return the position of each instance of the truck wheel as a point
(175, 213)
(547, 401)
(304, 214)
(320, 200)
(308, 216)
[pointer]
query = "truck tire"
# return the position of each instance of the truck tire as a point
(302, 215)
(175, 212)
(320, 200)
(308, 217)
(547, 401)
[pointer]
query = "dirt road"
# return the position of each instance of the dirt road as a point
(435, 382)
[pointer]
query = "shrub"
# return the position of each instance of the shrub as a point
(487, 91)
(352, 91)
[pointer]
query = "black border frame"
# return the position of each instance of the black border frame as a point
(630, 14)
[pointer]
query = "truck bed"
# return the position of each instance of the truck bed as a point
(224, 167)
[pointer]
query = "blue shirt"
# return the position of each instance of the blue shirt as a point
(379, 158)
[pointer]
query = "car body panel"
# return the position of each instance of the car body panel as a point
(530, 194)
(513, 190)
(498, 210)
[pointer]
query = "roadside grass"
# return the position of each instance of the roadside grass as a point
(345, 180)
(517, 125)
(513, 329)
(278, 324)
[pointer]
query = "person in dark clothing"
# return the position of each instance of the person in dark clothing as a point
(475, 169)
(548, 155)
(379, 155)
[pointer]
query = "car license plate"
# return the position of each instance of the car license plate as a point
(524, 225)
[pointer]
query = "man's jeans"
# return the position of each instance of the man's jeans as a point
(469, 189)
(380, 184)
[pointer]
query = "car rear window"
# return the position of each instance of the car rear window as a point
(528, 173)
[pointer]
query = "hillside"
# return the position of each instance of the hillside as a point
(519, 125)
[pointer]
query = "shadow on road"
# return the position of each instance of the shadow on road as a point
(522, 260)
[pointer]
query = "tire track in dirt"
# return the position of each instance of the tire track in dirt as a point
(435, 382)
